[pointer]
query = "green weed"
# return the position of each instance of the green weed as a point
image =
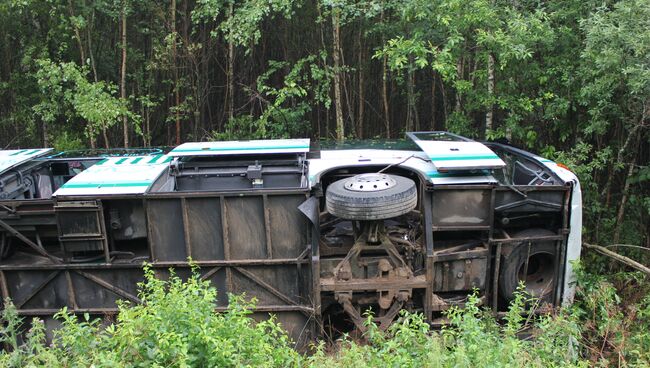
(177, 326)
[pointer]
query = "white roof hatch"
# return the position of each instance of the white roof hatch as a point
(12, 158)
(267, 146)
(117, 175)
(450, 152)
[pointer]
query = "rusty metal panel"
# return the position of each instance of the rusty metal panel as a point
(270, 285)
(205, 228)
(288, 227)
(256, 245)
(217, 277)
(461, 271)
(91, 287)
(463, 207)
(43, 291)
(37, 289)
(166, 233)
(246, 227)
(262, 241)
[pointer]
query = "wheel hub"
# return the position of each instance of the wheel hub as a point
(372, 182)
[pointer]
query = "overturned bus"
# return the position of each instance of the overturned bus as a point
(317, 235)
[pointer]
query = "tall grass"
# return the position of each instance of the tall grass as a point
(472, 339)
(177, 326)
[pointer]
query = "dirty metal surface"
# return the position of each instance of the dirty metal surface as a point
(241, 245)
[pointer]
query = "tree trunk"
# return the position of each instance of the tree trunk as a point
(46, 141)
(621, 208)
(90, 48)
(230, 71)
(384, 95)
(336, 43)
(445, 113)
(628, 178)
(93, 66)
(619, 157)
(107, 144)
(324, 47)
(433, 102)
(384, 81)
(361, 96)
(77, 36)
(147, 127)
(177, 95)
(459, 74)
(410, 97)
(489, 124)
(123, 75)
(625, 260)
(93, 143)
(344, 84)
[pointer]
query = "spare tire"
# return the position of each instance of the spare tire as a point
(371, 197)
(540, 277)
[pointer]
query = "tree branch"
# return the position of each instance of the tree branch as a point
(625, 260)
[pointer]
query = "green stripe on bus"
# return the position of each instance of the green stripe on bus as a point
(136, 160)
(18, 153)
(102, 162)
(459, 158)
(120, 161)
(107, 185)
(168, 159)
(155, 158)
(33, 152)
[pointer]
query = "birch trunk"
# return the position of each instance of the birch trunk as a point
(230, 71)
(361, 96)
(336, 43)
(489, 116)
(177, 96)
(125, 125)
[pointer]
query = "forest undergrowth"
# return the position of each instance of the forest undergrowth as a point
(177, 326)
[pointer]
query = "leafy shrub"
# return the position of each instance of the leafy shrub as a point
(473, 339)
(614, 311)
(175, 326)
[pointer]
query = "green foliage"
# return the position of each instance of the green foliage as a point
(176, 326)
(617, 66)
(473, 339)
(242, 26)
(614, 311)
(68, 94)
(285, 109)
(405, 54)
(68, 141)
(565, 74)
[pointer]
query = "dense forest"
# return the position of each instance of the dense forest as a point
(567, 79)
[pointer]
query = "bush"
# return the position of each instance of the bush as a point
(177, 326)
(473, 339)
(615, 313)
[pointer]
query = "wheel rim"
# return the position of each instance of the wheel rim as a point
(539, 276)
(369, 182)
